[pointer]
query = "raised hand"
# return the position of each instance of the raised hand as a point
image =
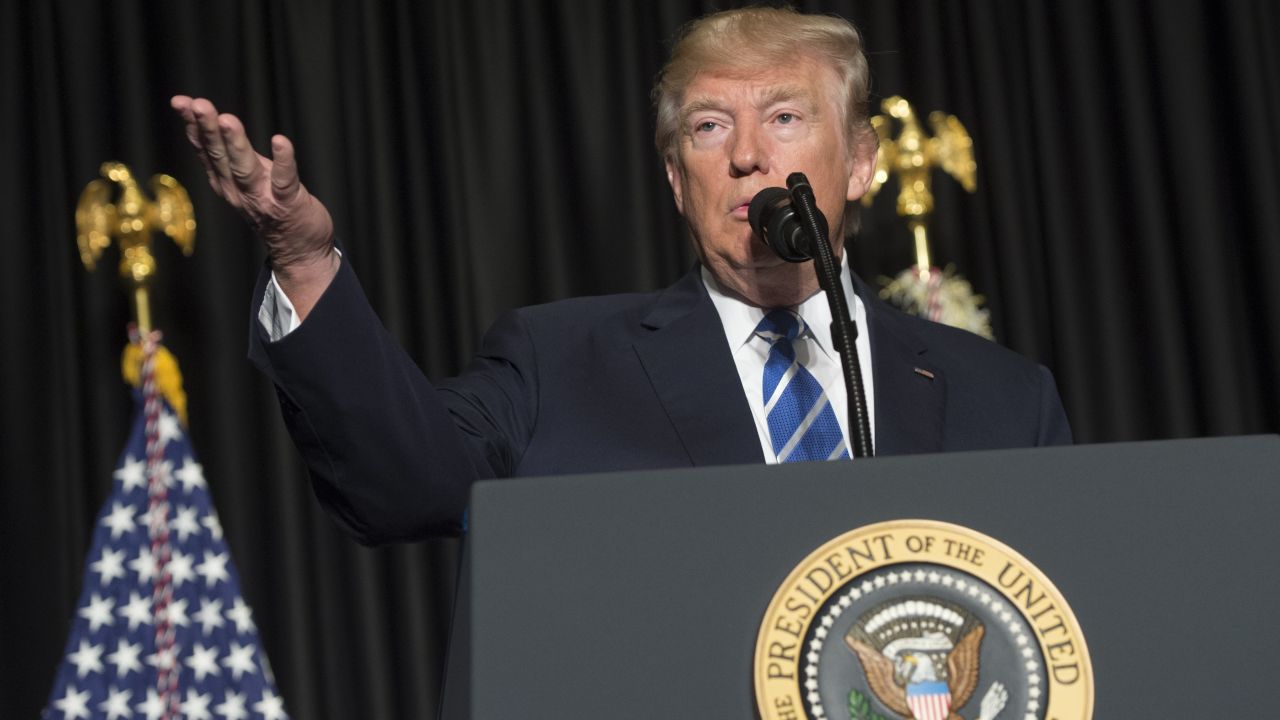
(294, 225)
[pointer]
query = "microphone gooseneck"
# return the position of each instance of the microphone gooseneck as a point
(789, 222)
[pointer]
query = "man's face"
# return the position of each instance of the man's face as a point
(741, 132)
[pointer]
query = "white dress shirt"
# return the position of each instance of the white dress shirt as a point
(814, 349)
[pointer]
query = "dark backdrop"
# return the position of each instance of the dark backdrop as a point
(490, 154)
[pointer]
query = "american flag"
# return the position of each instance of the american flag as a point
(111, 667)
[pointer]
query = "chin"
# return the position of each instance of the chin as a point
(782, 284)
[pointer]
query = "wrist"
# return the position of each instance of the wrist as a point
(304, 269)
(304, 280)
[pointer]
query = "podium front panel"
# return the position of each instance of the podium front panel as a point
(641, 594)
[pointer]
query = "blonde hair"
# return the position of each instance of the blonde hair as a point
(757, 37)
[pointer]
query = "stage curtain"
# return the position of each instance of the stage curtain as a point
(484, 155)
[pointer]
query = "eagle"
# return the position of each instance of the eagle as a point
(889, 680)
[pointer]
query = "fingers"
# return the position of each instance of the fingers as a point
(223, 147)
(245, 164)
(210, 137)
(284, 169)
(182, 104)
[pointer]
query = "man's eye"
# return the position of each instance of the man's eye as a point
(785, 118)
(705, 126)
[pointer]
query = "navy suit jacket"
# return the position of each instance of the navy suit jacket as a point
(620, 382)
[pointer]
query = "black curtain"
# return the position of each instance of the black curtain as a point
(490, 154)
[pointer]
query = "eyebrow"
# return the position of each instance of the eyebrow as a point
(771, 96)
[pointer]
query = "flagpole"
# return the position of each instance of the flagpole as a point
(161, 629)
(130, 221)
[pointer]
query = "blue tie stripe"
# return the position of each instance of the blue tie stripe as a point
(802, 423)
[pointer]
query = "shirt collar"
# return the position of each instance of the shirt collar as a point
(740, 319)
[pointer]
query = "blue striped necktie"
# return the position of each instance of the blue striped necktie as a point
(802, 424)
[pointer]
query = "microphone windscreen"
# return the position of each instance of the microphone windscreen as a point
(772, 197)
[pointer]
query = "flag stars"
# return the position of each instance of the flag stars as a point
(132, 474)
(164, 473)
(204, 661)
(168, 428)
(98, 612)
(116, 706)
(156, 515)
(271, 706)
(178, 613)
(180, 568)
(164, 659)
(191, 475)
(239, 660)
(196, 706)
(210, 615)
(168, 556)
(232, 706)
(144, 518)
(73, 704)
(242, 616)
(120, 520)
(125, 658)
(138, 610)
(184, 523)
(109, 566)
(210, 521)
(152, 707)
(214, 568)
(87, 659)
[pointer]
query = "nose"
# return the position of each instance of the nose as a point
(748, 151)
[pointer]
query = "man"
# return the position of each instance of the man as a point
(686, 376)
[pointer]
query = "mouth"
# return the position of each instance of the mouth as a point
(740, 207)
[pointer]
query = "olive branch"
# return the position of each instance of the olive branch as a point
(860, 707)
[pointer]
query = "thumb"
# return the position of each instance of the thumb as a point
(284, 170)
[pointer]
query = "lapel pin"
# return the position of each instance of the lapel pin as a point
(922, 371)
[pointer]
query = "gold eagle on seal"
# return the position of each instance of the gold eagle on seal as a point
(920, 657)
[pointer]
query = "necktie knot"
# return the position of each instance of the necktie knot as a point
(779, 324)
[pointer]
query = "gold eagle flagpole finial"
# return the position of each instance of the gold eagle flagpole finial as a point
(130, 221)
(911, 157)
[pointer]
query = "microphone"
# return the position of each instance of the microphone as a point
(776, 222)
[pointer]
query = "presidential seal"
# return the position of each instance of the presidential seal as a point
(920, 619)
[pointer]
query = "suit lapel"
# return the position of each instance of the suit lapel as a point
(910, 391)
(687, 360)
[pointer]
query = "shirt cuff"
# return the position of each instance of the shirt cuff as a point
(276, 313)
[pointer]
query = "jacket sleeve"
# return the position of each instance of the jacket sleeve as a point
(391, 456)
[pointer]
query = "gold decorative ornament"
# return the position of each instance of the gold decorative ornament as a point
(131, 220)
(923, 289)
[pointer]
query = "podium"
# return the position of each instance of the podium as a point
(640, 595)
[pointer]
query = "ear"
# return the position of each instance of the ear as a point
(676, 180)
(862, 166)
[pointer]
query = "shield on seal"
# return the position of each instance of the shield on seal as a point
(929, 700)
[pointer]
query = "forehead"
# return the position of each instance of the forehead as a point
(805, 81)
